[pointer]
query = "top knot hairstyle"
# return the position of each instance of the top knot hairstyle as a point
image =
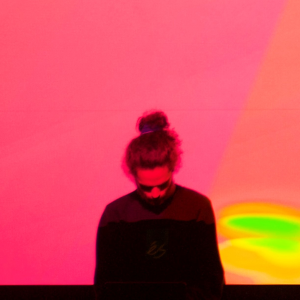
(156, 146)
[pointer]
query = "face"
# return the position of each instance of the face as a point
(155, 185)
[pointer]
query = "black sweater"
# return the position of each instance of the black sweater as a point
(175, 242)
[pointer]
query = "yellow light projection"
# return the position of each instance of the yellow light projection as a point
(262, 242)
(256, 189)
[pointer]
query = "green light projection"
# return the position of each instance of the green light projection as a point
(262, 242)
(265, 225)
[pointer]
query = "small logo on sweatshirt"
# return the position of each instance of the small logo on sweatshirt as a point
(157, 242)
(156, 250)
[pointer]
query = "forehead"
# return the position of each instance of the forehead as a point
(152, 177)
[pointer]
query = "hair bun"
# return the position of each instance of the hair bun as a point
(153, 121)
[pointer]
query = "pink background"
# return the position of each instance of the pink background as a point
(74, 78)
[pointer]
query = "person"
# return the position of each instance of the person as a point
(160, 232)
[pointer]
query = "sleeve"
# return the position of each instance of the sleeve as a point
(209, 277)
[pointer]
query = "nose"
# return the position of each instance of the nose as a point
(155, 192)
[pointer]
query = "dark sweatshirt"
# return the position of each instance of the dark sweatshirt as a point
(173, 242)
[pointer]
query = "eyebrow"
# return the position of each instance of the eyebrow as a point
(148, 188)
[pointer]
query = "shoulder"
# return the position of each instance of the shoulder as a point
(121, 202)
(192, 197)
(194, 203)
(114, 210)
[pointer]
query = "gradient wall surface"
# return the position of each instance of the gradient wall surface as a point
(75, 77)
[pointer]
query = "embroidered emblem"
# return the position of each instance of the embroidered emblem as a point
(156, 251)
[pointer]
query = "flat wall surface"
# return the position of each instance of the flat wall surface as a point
(74, 78)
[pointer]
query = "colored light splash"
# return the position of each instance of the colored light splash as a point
(262, 242)
(264, 224)
(259, 241)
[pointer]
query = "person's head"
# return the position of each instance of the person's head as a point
(153, 156)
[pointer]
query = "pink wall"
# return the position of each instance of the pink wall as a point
(75, 77)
